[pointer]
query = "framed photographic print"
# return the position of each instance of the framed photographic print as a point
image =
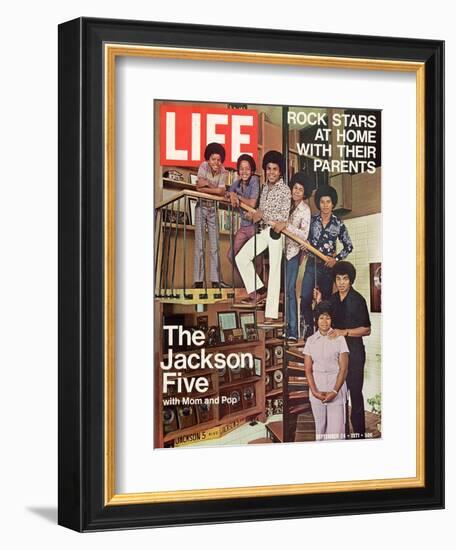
(246, 318)
(250, 332)
(346, 131)
(375, 270)
(227, 320)
(257, 363)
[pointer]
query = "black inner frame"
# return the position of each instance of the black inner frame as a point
(81, 358)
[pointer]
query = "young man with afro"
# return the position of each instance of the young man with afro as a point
(274, 207)
(212, 180)
(325, 230)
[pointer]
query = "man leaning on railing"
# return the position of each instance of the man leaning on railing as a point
(212, 180)
(274, 207)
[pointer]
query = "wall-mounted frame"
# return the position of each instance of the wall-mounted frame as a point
(227, 320)
(91, 53)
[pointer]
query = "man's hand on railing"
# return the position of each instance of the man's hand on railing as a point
(234, 199)
(278, 226)
(257, 216)
(201, 184)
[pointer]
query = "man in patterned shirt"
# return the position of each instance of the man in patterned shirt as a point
(274, 207)
(325, 230)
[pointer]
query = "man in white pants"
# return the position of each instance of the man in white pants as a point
(274, 207)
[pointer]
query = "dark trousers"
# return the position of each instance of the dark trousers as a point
(324, 281)
(355, 379)
(292, 268)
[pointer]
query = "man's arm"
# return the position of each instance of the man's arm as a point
(248, 202)
(219, 191)
(360, 318)
(346, 241)
(357, 332)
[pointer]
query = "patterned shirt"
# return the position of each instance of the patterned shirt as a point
(275, 202)
(249, 191)
(218, 180)
(324, 239)
(299, 224)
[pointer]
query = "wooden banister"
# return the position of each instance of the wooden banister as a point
(247, 208)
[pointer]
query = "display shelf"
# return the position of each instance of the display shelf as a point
(236, 345)
(275, 367)
(241, 414)
(274, 392)
(192, 395)
(275, 342)
(239, 382)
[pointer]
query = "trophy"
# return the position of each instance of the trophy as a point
(248, 396)
(204, 412)
(236, 373)
(224, 375)
(169, 420)
(212, 336)
(236, 401)
(278, 379)
(278, 355)
(224, 407)
(186, 416)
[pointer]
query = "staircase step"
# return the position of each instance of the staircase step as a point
(300, 408)
(303, 394)
(261, 440)
(276, 430)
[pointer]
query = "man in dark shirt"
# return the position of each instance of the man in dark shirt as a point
(351, 320)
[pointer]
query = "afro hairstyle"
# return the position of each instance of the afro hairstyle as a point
(214, 149)
(325, 191)
(305, 180)
(249, 159)
(276, 158)
(322, 308)
(345, 268)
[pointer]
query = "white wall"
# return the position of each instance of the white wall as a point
(365, 233)
(28, 276)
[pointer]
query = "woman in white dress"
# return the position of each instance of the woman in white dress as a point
(326, 363)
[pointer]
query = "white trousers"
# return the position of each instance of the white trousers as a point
(329, 418)
(246, 267)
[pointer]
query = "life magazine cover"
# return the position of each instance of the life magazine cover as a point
(268, 274)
